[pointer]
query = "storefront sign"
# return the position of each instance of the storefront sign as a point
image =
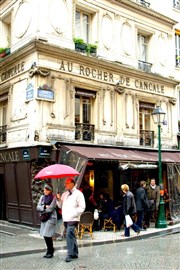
(9, 156)
(102, 75)
(7, 74)
(44, 152)
(26, 155)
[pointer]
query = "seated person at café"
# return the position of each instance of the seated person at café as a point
(108, 210)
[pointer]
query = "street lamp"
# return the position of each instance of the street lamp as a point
(158, 117)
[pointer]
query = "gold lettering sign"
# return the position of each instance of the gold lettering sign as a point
(105, 76)
(12, 71)
(9, 156)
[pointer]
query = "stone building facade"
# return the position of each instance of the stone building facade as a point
(56, 94)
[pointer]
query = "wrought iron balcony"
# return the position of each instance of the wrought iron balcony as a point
(145, 66)
(147, 138)
(143, 3)
(3, 134)
(177, 4)
(84, 132)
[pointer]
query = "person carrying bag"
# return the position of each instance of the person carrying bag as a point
(129, 208)
(47, 211)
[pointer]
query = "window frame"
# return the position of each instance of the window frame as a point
(81, 109)
(177, 47)
(85, 36)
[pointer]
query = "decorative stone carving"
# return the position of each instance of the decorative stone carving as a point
(162, 53)
(107, 27)
(58, 15)
(36, 136)
(40, 71)
(127, 38)
(172, 101)
(119, 89)
(22, 19)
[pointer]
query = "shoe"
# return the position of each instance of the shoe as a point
(68, 259)
(138, 232)
(143, 229)
(48, 256)
(74, 256)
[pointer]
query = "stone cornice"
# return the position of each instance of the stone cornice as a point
(146, 11)
(76, 57)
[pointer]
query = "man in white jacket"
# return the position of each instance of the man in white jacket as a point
(72, 203)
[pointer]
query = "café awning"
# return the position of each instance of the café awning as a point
(119, 154)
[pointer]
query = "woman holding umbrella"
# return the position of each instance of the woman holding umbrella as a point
(47, 209)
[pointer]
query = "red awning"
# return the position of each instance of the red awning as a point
(117, 154)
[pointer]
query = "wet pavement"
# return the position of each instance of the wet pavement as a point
(154, 249)
(19, 240)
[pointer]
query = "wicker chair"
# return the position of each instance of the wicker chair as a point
(109, 224)
(86, 224)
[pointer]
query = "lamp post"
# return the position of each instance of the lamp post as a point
(158, 117)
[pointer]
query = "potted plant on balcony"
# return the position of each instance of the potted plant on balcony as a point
(2, 52)
(8, 51)
(92, 48)
(80, 44)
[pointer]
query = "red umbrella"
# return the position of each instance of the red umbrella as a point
(56, 171)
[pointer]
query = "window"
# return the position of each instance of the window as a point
(146, 134)
(6, 32)
(82, 25)
(82, 110)
(142, 47)
(177, 47)
(83, 115)
(3, 120)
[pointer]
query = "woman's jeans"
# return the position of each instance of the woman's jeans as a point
(133, 226)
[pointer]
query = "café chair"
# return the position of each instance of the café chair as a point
(85, 225)
(109, 224)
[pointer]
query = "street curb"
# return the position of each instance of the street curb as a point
(81, 245)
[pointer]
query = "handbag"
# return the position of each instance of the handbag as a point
(59, 213)
(44, 216)
(129, 221)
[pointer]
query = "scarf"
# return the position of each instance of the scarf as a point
(47, 199)
(153, 187)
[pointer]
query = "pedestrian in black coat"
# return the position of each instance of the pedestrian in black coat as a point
(129, 208)
(142, 203)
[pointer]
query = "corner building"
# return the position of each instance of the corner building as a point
(64, 103)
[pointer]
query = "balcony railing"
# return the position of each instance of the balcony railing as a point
(84, 132)
(145, 66)
(3, 134)
(143, 3)
(147, 138)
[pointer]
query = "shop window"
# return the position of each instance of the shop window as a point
(145, 132)
(83, 115)
(143, 52)
(177, 48)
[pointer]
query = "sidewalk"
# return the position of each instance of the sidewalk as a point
(19, 239)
